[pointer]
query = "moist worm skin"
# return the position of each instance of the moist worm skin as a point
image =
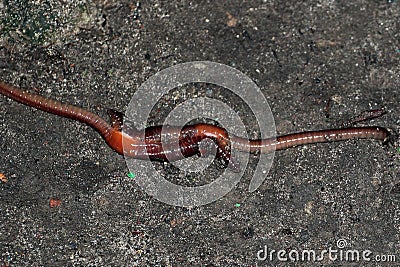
(159, 143)
(311, 137)
(171, 143)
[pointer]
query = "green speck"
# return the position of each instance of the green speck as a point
(131, 175)
(398, 149)
(237, 205)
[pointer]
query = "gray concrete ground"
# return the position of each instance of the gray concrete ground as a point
(318, 63)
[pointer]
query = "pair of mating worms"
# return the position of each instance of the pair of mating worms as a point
(158, 142)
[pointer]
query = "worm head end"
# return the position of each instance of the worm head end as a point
(391, 138)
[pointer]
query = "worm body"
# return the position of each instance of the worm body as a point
(171, 143)
(311, 137)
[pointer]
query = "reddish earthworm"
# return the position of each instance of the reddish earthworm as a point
(311, 137)
(132, 143)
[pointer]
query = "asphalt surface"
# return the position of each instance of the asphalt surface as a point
(66, 198)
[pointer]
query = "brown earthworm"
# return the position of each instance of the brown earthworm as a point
(158, 141)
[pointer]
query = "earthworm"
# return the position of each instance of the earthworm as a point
(171, 143)
(311, 137)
